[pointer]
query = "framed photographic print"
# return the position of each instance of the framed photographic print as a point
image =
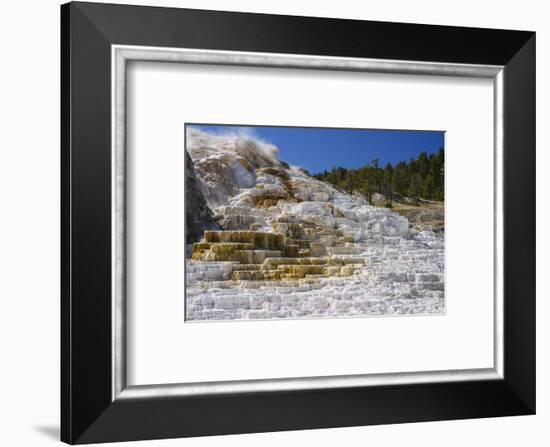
(276, 223)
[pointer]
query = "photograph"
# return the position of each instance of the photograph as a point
(310, 222)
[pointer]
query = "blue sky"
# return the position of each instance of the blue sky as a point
(317, 149)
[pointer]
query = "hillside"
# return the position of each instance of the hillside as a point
(422, 214)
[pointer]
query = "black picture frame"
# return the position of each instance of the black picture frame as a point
(88, 412)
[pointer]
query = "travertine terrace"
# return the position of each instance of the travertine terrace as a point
(291, 246)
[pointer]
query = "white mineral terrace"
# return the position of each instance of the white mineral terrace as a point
(295, 247)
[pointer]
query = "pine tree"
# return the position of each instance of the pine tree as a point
(428, 190)
(387, 185)
(415, 188)
(366, 189)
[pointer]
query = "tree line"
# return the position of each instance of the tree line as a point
(422, 177)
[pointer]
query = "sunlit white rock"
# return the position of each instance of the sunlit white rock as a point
(396, 270)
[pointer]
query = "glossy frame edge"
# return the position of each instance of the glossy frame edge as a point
(120, 55)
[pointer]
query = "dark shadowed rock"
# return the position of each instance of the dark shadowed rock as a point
(198, 217)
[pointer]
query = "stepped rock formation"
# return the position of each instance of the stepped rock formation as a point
(289, 245)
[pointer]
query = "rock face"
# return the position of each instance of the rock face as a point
(198, 216)
(292, 246)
